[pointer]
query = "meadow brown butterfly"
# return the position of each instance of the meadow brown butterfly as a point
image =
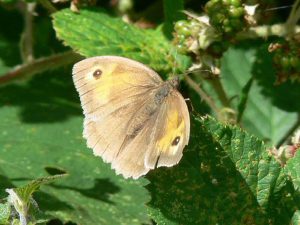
(133, 119)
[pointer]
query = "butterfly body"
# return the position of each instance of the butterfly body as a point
(133, 119)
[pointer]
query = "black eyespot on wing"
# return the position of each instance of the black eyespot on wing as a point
(176, 141)
(97, 74)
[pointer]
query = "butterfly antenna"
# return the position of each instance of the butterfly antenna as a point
(279, 7)
(194, 71)
(175, 61)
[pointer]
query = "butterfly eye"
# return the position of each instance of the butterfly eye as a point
(97, 73)
(176, 141)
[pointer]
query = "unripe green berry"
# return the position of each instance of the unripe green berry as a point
(236, 12)
(235, 3)
(181, 48)
(185, 31)
(295, 62)
(180, 24)
(285, 62)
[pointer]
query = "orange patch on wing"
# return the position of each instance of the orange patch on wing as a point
(109, 82)
(174, 128)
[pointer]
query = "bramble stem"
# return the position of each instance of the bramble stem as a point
(40, 65)
(48, 6)
(215, 82)
(27, 52)
(265, 31)
(293, 18)
(290, 132)
(202, 94)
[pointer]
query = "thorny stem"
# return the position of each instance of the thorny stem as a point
(40, 65)
(48, 6)
(202, 94)
(215, 82)
(27, 36)
(293, 17)
(265, 31)
(290, 132)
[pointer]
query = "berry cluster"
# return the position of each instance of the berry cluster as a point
(194, 36)
(186, 33)
(227, 16)
(286, 59)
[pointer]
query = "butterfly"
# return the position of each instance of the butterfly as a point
(133, 119)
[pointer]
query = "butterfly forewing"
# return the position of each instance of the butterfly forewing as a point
(106, 83)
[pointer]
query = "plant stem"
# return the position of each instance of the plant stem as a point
(48, 6)
(202, 94)
(244, 99)
(290, 132)
(293, 18)
(215, 82)
(40, 65)
(27, 35)
(265, 31)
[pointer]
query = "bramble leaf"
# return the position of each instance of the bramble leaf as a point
(222, 168)
(105, 35)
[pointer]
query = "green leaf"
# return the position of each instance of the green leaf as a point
(25, 192)
(173, 11)
(41, 129)
(296, 218)
(262, 173)
(225, 175)
(22, 200)
(94, 32)
(4, 213)
(261, 116)
(293, 170)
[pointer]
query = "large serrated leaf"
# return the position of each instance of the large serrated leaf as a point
(94, 32)
(41, 131)
(251, 158)
(225, 177)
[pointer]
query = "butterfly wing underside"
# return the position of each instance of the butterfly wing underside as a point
(159, 143)
(107, 83)
(113, 91)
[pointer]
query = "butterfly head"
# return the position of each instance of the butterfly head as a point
(174, 82)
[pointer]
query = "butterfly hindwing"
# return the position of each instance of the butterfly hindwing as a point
(171, 133)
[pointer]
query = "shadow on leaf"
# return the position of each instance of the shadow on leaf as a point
(47, 97)
(48, 202)
(286, 95)
(101, 190)
(4, 183)
(44, 200)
